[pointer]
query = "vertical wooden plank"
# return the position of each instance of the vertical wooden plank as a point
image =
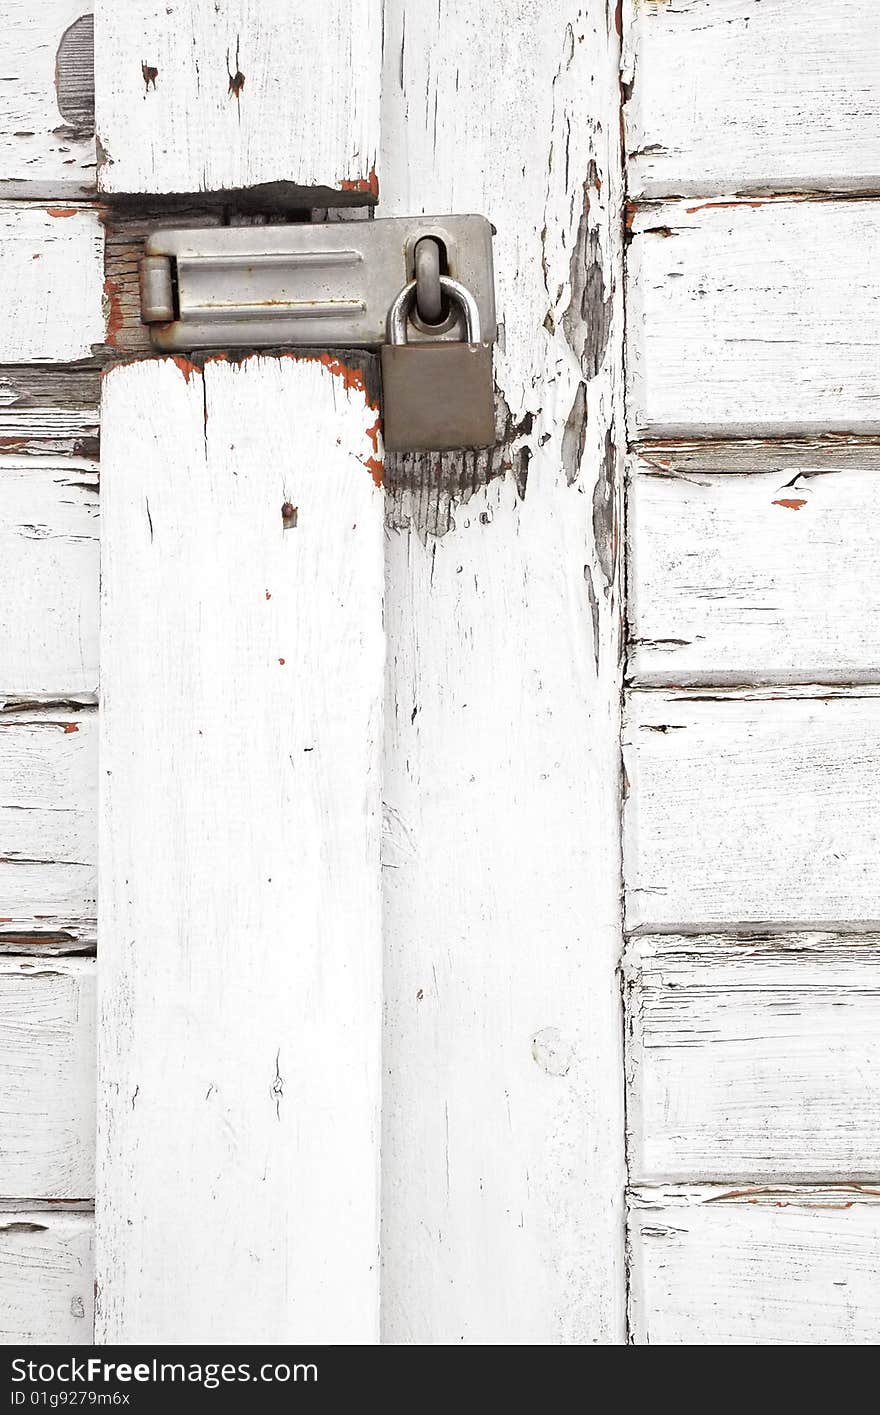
(211, 95)
(503, 1127)
(240, 976)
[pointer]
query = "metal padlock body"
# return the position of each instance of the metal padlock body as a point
(437, 397)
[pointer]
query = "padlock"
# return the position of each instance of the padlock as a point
(438, 396)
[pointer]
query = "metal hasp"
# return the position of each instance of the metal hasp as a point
(315, 285)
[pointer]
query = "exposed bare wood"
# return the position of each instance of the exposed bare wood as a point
(49, 410)
(47, 146)
(125, 232)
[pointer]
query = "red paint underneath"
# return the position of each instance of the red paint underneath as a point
(791, 503)
(369, 184)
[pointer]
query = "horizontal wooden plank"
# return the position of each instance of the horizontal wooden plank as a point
(752, 1060)
(46, 409)
(192, 97)
(51, 282)
(49, 573)
(767, 577)
(48, 789)
(781, 1267)
(751, 95)
(753, 317)
(46, 1279)
(47, 1078)
(751, 808)
(47, 121)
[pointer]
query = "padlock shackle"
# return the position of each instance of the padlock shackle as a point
(458, 292)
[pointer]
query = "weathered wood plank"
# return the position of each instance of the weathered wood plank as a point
(502, 1120)
(46, 1279)
(47, 146)
(50, 409)
(47, 1078)
(753, 1059)
(765, 577)
(205, 97)
(751, 808)
(753, 317)
(51, 280)
(48, 776)
(49, 570)
(240, 931)
(781, 1267)
(751, 95)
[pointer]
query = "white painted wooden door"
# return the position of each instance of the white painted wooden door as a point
(351, 857)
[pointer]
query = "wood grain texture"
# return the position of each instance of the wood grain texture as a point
(240, 938)
(47, 1078)
(751, 808)
(51, 280)
(46, 1279)
(502, 1125)
(773, 1267)
(48, 775)
(47, 146)
(49, 567)
(49, 409)
(209, 95)
(753, 1059)
(753, 317)
(749, 95)
(767, 576)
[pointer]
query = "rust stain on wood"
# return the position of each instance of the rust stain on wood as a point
(792, 503)
(62, 210)
(114, 316)
(726, 205)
